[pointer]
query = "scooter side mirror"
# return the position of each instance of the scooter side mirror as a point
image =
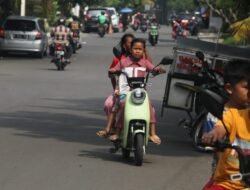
(166, 61)
(200, 55)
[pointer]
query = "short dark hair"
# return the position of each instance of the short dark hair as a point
(138, 40)
(236, 71)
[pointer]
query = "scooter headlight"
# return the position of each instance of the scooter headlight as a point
(138, 96)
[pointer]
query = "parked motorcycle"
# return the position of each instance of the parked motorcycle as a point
(208, 79)
(59, 56)
(153, 35)
(102, 30)
(135, 133)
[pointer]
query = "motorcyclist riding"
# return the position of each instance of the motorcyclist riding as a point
(125, 21)
(103, 20)
(177, 29)
(75, 25)
(62, 35)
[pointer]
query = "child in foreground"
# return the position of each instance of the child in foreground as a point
(237, 123)
(235, 76)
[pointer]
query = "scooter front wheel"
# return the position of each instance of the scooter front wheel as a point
(139, 149)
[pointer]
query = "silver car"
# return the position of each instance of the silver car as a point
(23, 34)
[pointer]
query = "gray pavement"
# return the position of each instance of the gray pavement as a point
(48, 121)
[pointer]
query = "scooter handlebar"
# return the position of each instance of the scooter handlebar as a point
(220, 144)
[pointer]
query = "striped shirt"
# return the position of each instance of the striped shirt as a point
(61, 34)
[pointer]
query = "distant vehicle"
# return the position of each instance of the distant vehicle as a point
(91, 18)
(102, 28)
(185, 19)
(153, 35)
(24, 34)
(170, 19)
(114, 18)
(59, 57)
(195, 25)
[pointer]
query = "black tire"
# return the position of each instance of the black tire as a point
(74, 47)
(125, 153)
(152, 42)
(101, 34)
(139, 151)
(59, 65)
(40, 54)
(46, 52)
(197, 134)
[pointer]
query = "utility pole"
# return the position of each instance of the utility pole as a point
(23, 5)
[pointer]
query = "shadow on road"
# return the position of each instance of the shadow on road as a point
(74, 120)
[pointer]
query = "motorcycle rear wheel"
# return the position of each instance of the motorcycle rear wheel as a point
(139, 149)
(152, 43)
(59, 65)
(197, 134)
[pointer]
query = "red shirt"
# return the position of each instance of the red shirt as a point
(116, 61)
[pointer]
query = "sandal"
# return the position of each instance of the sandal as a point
(114, 137)
(102, 133)
(155, 139)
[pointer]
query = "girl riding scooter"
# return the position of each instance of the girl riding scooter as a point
(135, 66)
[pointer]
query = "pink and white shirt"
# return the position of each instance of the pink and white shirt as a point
(132, 69)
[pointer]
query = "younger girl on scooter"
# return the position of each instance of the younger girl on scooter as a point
(109, 103)
(135, 66)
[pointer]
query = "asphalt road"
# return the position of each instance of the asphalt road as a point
(48, 120)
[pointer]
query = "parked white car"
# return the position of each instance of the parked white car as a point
(114, 18)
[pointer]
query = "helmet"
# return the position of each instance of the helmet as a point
(61, 21)
(103, 12)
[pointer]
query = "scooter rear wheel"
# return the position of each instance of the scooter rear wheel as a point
(139, 149)
(125, 153)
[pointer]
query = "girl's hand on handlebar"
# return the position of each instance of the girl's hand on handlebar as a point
(158, 71)
(111, 71)
(117, 93)
(161, 70)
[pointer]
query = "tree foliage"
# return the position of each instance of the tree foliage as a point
(9, 7)
(230, 10)
(180, 5)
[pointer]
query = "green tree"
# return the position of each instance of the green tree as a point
(9, 7)
(49, 9)
(230, 10)
(180, 5)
